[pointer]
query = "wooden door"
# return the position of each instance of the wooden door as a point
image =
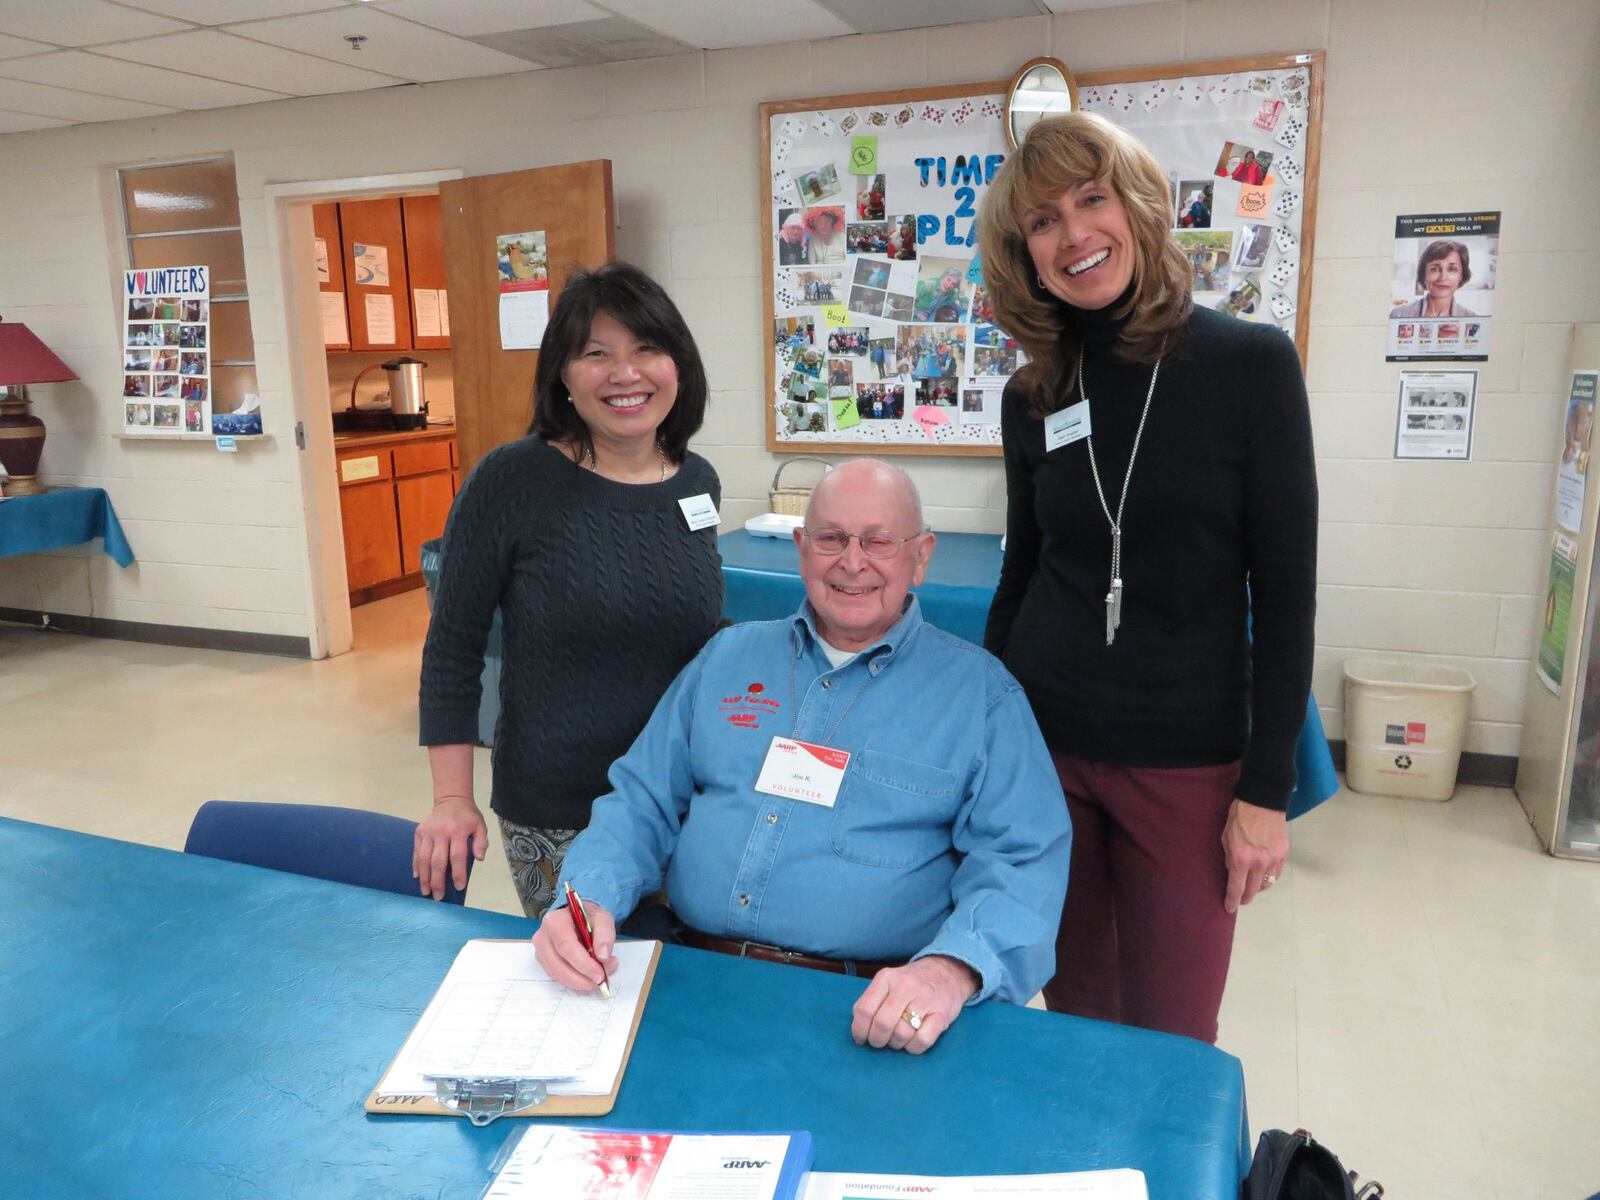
(424, 504)
(572, 205)
(430, 300)
(378, 225)
(325, 224)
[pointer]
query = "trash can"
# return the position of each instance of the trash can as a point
(1404, 726)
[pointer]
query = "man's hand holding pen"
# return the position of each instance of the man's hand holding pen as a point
(561, 952)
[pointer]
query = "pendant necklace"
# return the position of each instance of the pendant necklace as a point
(1114, 594)
(593, 466)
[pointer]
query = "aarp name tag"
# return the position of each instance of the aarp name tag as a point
(1067, 426)
(798, 770)
(699, 511)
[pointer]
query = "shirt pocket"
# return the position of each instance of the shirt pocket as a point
(893, 812)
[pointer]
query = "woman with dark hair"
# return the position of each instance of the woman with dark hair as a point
(1161, 495)
(1442, 268)
(606, 588)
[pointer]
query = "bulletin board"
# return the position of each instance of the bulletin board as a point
(879, 331)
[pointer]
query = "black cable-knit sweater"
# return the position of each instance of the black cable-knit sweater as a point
(605, 595)
(1224, 493)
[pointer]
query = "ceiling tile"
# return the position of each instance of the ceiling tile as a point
(884, 16)
(45, 101)
(132, 80)
(393, 46)
(1063, 6)
(470, 18)
(15, 47)
(253, 64)
(222, 12)
(615, 39)
(13, 122)
(718, 24)
(79, 22)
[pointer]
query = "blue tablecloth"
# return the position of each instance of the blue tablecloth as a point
(62, 517)
(181, 1026)
(763, 582)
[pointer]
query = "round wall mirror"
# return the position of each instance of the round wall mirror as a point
(1042, 88)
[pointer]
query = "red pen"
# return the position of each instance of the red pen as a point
(580, 922)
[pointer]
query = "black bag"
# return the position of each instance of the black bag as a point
(1293, 1166)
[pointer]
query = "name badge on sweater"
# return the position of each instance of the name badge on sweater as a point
(798, 770)
(699, 511)
(1067, 426)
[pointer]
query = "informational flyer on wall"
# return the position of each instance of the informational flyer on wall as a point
(1557, 610)
(1435, 415)
(1574, 470)
(1441, 299)
(166, 356)
(523, 266)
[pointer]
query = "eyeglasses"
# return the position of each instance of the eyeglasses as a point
(875, 544)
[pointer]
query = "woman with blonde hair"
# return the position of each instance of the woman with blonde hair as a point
(1161, 496)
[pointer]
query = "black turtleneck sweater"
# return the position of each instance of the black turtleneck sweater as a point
(1223, 499)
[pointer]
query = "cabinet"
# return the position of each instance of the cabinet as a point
(378, 294)
(325, 226)
(395, 492)
(386, 263)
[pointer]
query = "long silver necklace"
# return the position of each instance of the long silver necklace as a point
(593, 466)
(1114, 594)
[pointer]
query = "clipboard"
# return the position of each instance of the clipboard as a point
(484, 1100)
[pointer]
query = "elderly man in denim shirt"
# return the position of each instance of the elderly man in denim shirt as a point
(937, 860)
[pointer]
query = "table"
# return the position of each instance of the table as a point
(182, 1026)
(62, 517)
(763, 584)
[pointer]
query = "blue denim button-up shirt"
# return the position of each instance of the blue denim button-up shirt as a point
(949, 835)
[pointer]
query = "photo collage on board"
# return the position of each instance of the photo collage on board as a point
(883, 331)
(1235, 194)
(166, 353)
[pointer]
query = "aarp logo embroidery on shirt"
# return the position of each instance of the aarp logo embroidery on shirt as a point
(745, 709)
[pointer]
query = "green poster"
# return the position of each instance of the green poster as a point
(1557, 611)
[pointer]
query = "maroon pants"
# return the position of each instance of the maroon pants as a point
(1144, 939)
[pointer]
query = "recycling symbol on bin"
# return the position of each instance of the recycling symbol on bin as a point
(1403, 761)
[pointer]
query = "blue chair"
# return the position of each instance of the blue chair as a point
(345, 845)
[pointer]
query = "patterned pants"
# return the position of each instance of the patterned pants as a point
(535, 856)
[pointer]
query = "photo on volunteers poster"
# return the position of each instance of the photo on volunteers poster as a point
(1557, 611)
(1574, 469)
(1435, 414)
(1441, 295)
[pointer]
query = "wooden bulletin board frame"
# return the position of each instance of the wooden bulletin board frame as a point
(1312, 62)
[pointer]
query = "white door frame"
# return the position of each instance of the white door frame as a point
(289, 231)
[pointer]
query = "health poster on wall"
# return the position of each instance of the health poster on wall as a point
(522, 264)
(1441, 297)
(1435, 417)
(1557, 611)
(1574, 470)
(166, 355)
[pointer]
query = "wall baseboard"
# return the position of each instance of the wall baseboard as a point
(163, 635)
(1485, 770)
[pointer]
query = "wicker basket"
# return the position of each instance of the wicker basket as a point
(788, 498)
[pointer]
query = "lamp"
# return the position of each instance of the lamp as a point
(24, 359)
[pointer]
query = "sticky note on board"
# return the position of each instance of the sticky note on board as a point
(836, 314)
(1255, 201)
(845, 414)
(864, 154)
(930, 417)
(975, 269)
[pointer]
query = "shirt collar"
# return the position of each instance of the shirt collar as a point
(804, 630)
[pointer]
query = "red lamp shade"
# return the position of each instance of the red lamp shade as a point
(25, 359)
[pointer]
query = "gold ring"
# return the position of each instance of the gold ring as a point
(912, 1018)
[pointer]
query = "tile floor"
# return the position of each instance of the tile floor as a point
(1422, 990)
